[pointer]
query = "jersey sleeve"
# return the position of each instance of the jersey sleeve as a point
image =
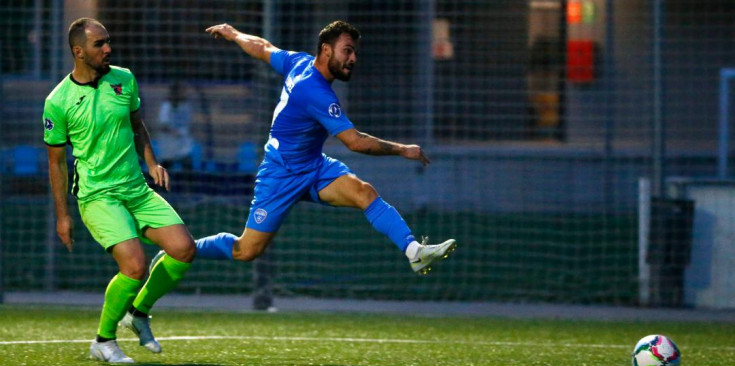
(282, 61)
(324, 107)
(54, 125)
(134, 94)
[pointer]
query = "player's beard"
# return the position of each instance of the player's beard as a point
(104, 69)
(101, 68)
(337, 69)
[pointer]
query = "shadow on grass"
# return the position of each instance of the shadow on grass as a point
(280, 363)
(304, 363)
(175, 364)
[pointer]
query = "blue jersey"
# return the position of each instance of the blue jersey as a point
(306, 115)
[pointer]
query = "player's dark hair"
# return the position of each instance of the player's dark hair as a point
(77, 35)
(333, 30)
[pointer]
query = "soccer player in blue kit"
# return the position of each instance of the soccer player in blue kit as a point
(294, 167)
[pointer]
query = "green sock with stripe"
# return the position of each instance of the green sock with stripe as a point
(166, 274)
(119, 295)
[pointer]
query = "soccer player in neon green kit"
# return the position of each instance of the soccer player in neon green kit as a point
(96, 110)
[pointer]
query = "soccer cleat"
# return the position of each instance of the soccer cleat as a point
(142, 328)
(427, 254)
(155, 259)
(108, 352)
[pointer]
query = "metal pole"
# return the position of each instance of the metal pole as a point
(56, 29)
(644, 226)
(722, 158)
(561, 132)
(49, 278)
(609, 82)
(37, 32)
(424, 82)
(423, 93)
(2, 184)
(49, 270)
(263, 266)
(659, 143)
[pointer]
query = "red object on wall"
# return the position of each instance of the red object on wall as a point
(581, 61)
(574, 12)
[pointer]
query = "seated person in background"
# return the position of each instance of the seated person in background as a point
(172, 130)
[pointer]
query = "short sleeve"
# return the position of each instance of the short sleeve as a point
(54, 125)
(282, 61)
(134, 95)
(325, 108)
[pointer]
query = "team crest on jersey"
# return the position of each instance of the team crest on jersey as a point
(48, 124)
(334, 110)
(259, 215)
(117, 88)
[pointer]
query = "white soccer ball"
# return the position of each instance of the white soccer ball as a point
(656, 350)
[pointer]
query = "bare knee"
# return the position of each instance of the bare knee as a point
(366, 195)
(183, 252)
(130, 258)
(134, 269)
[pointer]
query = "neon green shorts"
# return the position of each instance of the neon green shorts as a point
(121, 214)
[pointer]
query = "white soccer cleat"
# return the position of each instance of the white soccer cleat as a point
(155, 259)
(108, 352)
(142, 328)
(427, 254)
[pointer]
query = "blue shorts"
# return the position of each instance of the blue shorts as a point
(277, 189)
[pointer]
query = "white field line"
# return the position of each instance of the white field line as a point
(332, 339)
(359, 340)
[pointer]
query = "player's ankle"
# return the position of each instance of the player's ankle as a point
(412, 250)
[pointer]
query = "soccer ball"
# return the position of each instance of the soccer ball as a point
(656, 350)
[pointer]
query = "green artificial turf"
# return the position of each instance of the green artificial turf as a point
(60, 336)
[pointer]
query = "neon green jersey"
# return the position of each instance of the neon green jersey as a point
(95, 119)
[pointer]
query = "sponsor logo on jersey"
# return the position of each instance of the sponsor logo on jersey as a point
(259, 215)
(117, 88)
(334, 110)
(81, 99)
(48, 124)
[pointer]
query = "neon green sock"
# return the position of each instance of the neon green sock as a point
(166, 273)
(118, 297)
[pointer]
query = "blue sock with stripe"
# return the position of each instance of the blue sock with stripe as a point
(386, 219)
(218, 246)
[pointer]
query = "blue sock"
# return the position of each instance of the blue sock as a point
(388, 221)
(218, 246)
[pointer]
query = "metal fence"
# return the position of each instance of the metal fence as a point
(540, 116)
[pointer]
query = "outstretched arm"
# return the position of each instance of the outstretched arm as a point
(58, 175)
(254, 46)
(144, 148)
(363, 143)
